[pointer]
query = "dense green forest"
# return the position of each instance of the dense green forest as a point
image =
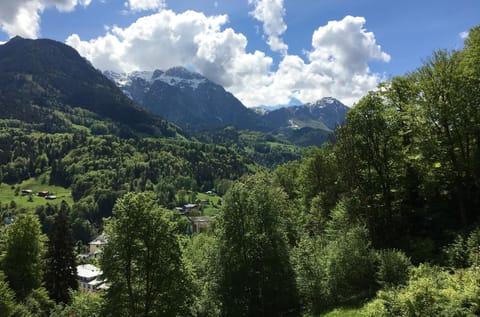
(381, 221)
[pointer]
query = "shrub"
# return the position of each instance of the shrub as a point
(337, 267)
(430, 291)
(464, 251)
(393, 268)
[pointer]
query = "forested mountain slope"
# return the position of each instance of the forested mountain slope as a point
(40, 77)
(200, 106)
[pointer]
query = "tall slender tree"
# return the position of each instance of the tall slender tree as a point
(257, 278)
(61, 275)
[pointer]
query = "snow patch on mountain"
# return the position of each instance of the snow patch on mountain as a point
(177, 76)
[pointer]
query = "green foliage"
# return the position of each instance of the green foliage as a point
(23, 261)
(318, 174)
(36, 304)
(285, 176)
(7, 298)
(336, 267)
(82, 305)
(344, 312)
(393, 268)
(309, 262)
(431, 292)
(464, 251)
(143, 262)
(201, 253)
(261, 148)
(61, 272)
(256, 277)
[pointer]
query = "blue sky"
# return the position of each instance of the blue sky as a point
(263, 51)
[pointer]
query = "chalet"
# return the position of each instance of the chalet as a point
(95, 246)
(198, 224)
(43, 193)
(27, 192)
(90, 278)
(50, 197)
(191, 209)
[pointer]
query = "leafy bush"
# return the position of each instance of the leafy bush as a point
(83, 305)
(464, 251)
(7, 298)
(431, 291)
(337, 267)
(393, 268)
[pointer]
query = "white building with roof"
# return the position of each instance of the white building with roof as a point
(90, 278)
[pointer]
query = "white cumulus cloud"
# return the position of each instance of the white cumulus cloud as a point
(166, 39)
(145, 5)
(270, 13)
(22, 17)
(463, 35)
(336, 64)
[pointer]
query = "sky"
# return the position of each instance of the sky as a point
(265, 52)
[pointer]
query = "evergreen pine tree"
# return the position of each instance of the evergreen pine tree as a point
(61, 275)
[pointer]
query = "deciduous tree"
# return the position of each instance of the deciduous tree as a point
(257, 278)
(142, 261)
(23, 261)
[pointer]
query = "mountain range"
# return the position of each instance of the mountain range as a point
(196, 104)
(47, 84)
(187, 99)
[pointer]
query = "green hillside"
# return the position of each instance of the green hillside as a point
(9, 193)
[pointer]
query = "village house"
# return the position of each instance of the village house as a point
(90, 278)
(27, 192)
(198, 224)
(43, 193)
(95, 246)
(191, 209)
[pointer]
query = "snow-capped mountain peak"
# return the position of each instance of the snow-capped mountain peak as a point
(176, 76)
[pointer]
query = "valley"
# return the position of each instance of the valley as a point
(158, 193)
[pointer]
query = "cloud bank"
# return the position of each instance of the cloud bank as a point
(22, 17)
(335, 65)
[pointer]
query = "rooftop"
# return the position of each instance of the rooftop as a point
(88, 271)
(200, 219)
(99, 240)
